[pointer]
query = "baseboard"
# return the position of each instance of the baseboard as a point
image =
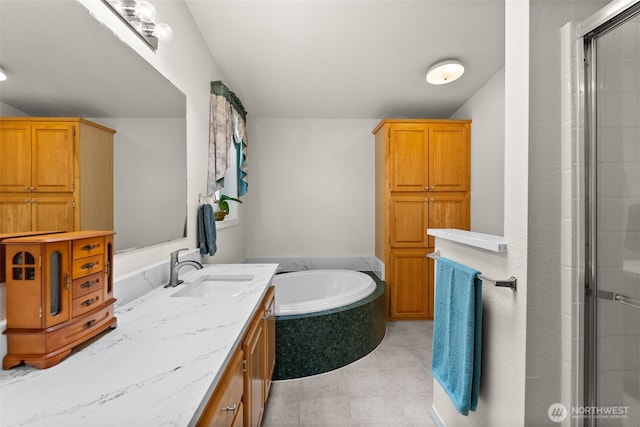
(436, 417)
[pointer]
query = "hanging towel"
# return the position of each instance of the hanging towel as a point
(457, 333)
(207, 230)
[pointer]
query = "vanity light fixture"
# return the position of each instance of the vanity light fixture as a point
(3, 75)
(445, 72)
(141, 16)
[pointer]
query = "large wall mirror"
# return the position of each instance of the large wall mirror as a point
(64, 63)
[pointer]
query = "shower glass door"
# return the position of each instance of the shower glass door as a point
(613, 276)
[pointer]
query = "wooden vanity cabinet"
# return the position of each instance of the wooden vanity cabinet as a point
(242, 392)
(59, 293)
(56, 174)
(422, 180)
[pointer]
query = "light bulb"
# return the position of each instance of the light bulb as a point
(445, 72)
(163, 32)
(146, 12)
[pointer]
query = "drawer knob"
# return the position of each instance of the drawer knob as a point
(89, 324)
(88, 284)
(89, 247)
(233, 408)
(88, 266)
(88, 302)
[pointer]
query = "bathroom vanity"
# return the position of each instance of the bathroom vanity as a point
(196, 354)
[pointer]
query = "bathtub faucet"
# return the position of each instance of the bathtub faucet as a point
(175, 266)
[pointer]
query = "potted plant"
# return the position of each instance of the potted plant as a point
(223, 206)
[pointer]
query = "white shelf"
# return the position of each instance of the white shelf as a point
(479, 240)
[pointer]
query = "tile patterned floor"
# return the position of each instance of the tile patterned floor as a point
(390, 387)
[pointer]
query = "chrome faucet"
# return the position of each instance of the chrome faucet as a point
(175, 266)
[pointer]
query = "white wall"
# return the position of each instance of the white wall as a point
(312, 189)
(486, 111)
(188, 64)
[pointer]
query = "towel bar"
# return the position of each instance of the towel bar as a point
(511, 282)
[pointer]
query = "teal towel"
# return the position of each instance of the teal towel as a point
(207, 230)
(457, 333)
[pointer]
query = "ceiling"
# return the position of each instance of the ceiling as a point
(351, 59)
(284, 59)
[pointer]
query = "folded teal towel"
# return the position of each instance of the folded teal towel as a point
(457, 333)
(207, 230)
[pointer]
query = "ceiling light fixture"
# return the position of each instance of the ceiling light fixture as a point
(445, 72)
(3, 75)
(141, 17)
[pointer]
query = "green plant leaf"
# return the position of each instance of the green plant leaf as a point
(223, 205)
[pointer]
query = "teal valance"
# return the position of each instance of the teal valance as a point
(219, 88)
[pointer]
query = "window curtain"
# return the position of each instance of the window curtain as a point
(227, 125)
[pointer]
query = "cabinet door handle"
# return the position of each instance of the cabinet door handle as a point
(67, 280)
(233, 408)
(88, 284)
(89, 324)
(87, 266)
(89, 247)
(88, 302)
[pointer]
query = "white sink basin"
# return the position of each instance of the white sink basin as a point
(215, 285)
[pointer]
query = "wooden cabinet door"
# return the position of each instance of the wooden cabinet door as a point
(448, 210)
(270, 340)
(57, 283)
(408, 158)
(253, 348)
(15, 154)
(35, 212)
(52, 212)
(52, 162)
(224, 408)
(449, 152)
(408, 221)
(15, 212)
(24, 297)
(409, 280)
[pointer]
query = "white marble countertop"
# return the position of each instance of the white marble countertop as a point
(158, 367)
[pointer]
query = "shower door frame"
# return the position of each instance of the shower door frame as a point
(612, 16)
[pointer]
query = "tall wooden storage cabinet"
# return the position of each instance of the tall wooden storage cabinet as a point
(422, 181)
(56, 174)
(59, 292)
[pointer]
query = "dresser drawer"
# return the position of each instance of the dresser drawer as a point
(86, 285)
(86, 303)
(89, 265)
(82, 328)
(87, 247)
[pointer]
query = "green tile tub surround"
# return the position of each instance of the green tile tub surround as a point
(310, 344)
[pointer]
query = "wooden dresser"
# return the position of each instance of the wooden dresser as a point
(56, 174)
(422, 175)
(59, 293)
